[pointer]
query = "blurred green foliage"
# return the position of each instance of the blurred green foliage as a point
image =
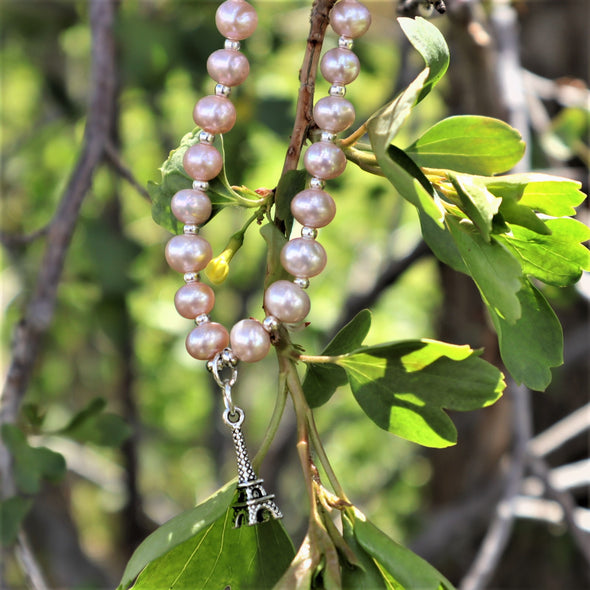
(117, 288)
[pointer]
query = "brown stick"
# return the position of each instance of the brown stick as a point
(39, 312)
(307, 76)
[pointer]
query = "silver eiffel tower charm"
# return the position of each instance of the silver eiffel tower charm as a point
(254, 505)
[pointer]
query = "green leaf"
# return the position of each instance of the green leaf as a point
(223, 557)
(532, 345)
(470, 144)
(322, 379)
(431, 45)
(291, 183)
(476, 202)
(12, 512)
(275, 240)
(92, 425)
(441, 243)
(567, 134)
(366, 577)
(551, 195)
(404, 387)
(386, 122)
(31, 464)
(556, 259)
(517, 214)
(178, 530)
(494, 269)
(174, 179)
(408, 570)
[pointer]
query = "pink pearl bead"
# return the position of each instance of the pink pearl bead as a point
(193, 299)
(236, 19)
(202, 161)
(313, 208)
(249, 341)
(228, 66)
(191, 206)
(303, 258)
(215, 114)
(333, 114)
(340, 66)
(287, 302)
(324, 160)
(188, 253)
(206, 340)
(350, 19)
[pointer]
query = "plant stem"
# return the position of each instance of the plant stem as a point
(305, 414)
(354, 137)
(275, 420)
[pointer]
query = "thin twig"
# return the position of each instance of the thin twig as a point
(559, 433)
(565, 500)
(386, 278)
(499, 531)
(15, 240)
(29, 565)
(114, 159)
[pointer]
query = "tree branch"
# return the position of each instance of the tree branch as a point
(39, 312)
(320, 11)
(498, 533)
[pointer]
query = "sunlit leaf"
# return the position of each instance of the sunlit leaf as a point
(496, 272)
(408, 570)
(556, 259)
(220, 556)
(178, 530)
(470, 144)
(551, 195)
(386, 122)
(431, 45)
(476, 201)
(533, 344)
(405, 387)
(322, 379)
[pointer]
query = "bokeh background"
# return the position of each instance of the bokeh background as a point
(162, 446)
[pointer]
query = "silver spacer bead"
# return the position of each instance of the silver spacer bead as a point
(202, 319)
(232, 45)
(200, 185)
(228, 358)
(190, 228)
(337, 90)
(302, 282)
(270, 324)
(327, 136)
(191, 277)
(206, 137)
(345, 42)
(316, 183)
(309, 233)
(222, 90)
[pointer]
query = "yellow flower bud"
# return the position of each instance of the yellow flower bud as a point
(217, 269)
